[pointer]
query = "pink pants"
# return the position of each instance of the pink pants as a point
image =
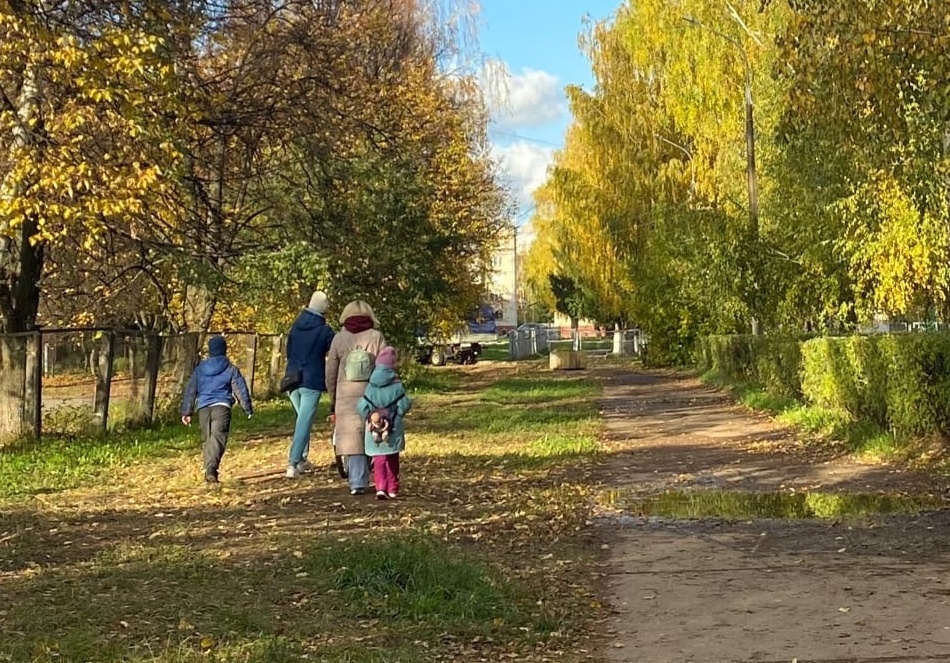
(386, 473)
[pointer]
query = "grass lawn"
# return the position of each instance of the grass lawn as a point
(114, 550)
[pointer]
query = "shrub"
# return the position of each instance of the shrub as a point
(771, 362)
(900, 382)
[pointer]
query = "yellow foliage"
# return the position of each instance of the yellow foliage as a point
(81, 174)
(902, 252)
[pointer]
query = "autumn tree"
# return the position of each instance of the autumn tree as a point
(395, 189)
(864, 157)
(246, 153)
(569, 298)
(86, 93)
(650, 198)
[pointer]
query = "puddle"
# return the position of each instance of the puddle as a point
(737, 505)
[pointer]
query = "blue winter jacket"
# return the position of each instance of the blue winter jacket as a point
(307, 346)
(215, 380)
(385, 390)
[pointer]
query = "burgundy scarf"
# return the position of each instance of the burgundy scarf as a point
(357, 323)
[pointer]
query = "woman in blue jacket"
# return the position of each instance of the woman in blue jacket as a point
(307, 346)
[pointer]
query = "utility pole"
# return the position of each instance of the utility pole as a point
(751, 174)
(514, 270)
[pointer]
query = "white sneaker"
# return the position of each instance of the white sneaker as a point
(304, 466)
(292, 472)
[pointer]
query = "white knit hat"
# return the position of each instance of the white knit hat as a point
(319, 302)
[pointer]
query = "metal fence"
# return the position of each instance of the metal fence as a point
(65, 382)
(535, 341)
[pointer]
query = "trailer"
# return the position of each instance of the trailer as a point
(464, 347)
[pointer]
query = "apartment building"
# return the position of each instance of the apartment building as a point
(503, 281)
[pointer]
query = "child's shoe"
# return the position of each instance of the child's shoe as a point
(292, 472)
(381, 495)
(393, 495)
(304, 466)
(358, 491)
(211, 477)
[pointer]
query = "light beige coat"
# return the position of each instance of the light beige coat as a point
(344, 394)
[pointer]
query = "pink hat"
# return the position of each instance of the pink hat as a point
(387, 357)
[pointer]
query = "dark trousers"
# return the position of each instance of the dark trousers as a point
(215, 424)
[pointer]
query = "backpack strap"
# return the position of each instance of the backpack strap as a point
(399, 398)
(387, 407)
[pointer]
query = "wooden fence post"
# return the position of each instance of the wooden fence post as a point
(33, 386)
(276, 364)
(131, 345)
(252, 364)
(153, 363)
(104, 380)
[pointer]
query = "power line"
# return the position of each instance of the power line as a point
(520, 137)
(524, 213)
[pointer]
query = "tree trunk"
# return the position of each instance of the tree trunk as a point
(199, 308)
(21, 261)
(12, 387)
(20, 270)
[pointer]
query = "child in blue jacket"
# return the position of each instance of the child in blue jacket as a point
(213, 387)
(385, 438)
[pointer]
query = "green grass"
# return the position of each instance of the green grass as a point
(426, 380)
(519, 407)
(407, 588)
(750, 395)
(519, 424)
(152, 566)
(825, 426)
(863, 438)
(55, 464)
(418, 579)
(518, 391)
(494, 352)
(737, 505)
(562, 445)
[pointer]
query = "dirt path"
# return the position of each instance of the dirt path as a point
(869, 591)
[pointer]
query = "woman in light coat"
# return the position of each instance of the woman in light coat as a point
(359, 331)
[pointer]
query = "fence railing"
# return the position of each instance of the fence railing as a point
(80, 381)
(535, 341)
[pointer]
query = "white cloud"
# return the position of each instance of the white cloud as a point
(524, 165)
(530, 99)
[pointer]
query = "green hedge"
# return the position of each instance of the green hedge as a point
(771, 362)
(901, 382)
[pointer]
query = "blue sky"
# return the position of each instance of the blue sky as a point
(535, 41)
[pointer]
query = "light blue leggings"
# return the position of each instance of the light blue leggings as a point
(305, 401)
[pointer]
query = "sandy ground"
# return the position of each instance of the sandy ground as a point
(874, 590)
